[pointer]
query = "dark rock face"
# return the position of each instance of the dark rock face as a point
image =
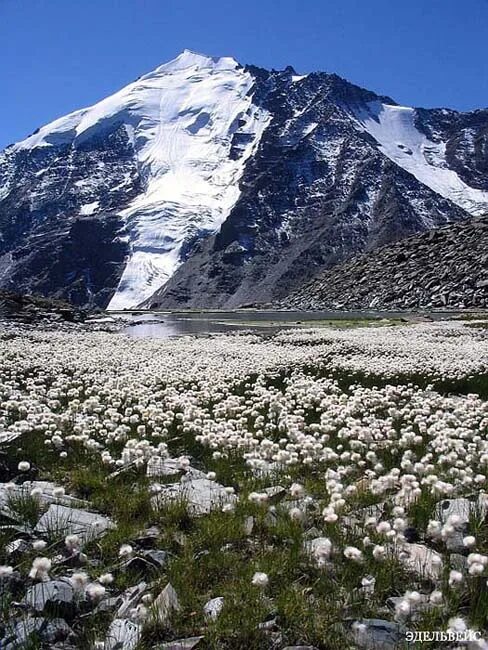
(447, 267)
(466, 138)
(317, 192)
(30, 309)
(47, 244)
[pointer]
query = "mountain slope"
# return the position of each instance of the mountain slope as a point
(447, 267)
(205, 183)
(319, 190)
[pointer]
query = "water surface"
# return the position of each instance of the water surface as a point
(166, 324)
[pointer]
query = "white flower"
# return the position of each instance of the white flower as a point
(329, 515)
(39, 544)
(403, 609)
(6, 571)
(211, 476)
(40, 568)
(379, 552)
(95, 590)
(469, 541)
(436, 597)
(296, 514)
(106, 579)
(383, 527)
(260, 579)
(138, 613)
(475, 569)
(296, 490)
(72, 543)
(125, 550)
(58, 492)
(353, 553)
(457, 624)
(23, 466)
(79, 580)
(455, 578)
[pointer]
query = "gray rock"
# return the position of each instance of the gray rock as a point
(17, 547)
(60, 521)
(213, 607)
(148, 538)
(379, 635)
(44, 498)
(130, 599)
(157, 466)
(275, 493)
(181, 644)
(458, 562)
(20, 634)
(201, 495)
(54, 595)
(165, 604)
(122, 635)
(147, 562)
(464, 509)
(248, 525)
(421, 560)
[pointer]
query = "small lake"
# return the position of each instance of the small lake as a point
(161, 325)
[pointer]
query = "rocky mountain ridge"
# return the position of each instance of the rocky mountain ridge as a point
(206, 183)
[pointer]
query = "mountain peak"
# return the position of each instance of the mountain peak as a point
(190, 59)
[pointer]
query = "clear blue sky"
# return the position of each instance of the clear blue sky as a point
(60, 55)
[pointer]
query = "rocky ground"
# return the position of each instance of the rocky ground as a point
(319, 488)
(443, 268)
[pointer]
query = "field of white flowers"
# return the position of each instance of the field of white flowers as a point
(320, 487)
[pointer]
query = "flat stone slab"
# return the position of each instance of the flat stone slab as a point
(201, 495)
(157, 466)
(45, 497)
(130, 599)
(61, 520)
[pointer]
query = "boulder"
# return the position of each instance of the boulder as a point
(165, 604)
(55, 596)
(213, 607)
(421, 560)
(122, 634)
(201, 495)
(60, 521)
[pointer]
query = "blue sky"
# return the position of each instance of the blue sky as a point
(60, 55)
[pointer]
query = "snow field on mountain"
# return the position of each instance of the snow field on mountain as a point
(393, 127)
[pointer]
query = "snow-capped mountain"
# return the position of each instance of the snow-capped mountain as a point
(206, 183)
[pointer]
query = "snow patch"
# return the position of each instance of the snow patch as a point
(89, 208)
(393, 127)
